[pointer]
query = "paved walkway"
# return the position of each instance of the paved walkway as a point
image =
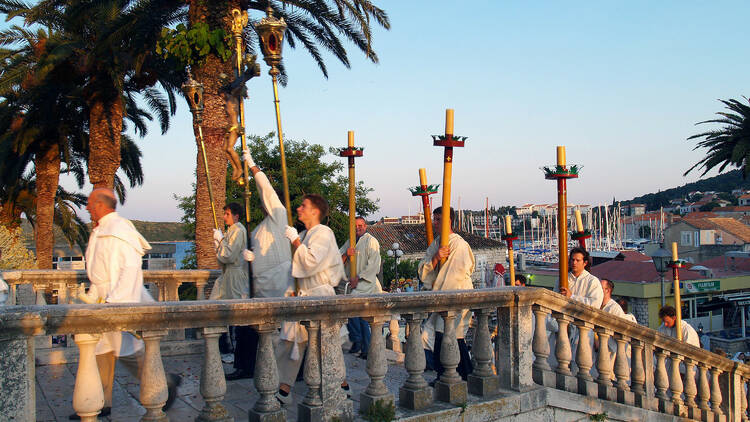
(54, 390)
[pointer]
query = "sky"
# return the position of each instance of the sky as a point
(620, 84)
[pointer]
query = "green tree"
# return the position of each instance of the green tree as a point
(307, 172)
(729, 145)
(407, 268)
(317, 25)
(708, 207)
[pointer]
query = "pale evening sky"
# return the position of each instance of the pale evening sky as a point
(621, 84)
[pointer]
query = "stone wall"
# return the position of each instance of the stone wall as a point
(639, 307)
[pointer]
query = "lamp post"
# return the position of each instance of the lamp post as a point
(395, 253)
(661, 258)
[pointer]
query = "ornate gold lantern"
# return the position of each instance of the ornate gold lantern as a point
(194, 93)
(271, 32)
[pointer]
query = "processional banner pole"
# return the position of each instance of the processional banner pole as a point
(675, 264)
(562, 173)
(239, 21)
(447, 141)
(351, 152)
(509, 237)
(193, 91)
(271, 32)
(424, 190)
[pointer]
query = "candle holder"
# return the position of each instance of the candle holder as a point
(561, 172)
(424, 190)
(448, 142)
(351, 152)
(581, 237)
(509, 238)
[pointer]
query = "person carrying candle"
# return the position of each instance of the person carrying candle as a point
(367, 253)
(582, 285)
(668, 316)
(453, 274)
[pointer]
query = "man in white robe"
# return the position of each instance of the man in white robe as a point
(272, 272)
(113, 264)
(317, 266)
(233, 283)
(366, 281)
(454, 274)
(609, 305)
(668, 316)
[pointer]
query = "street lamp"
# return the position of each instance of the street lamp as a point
(395, 253)
(661, 258)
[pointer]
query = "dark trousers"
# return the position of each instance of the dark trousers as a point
(359, 333)
(464, 365)
(245, 348)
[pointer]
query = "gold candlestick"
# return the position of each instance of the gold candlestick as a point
(351, 152)
(448, 141)
(424, 190)
(511, 264)
(676, 264)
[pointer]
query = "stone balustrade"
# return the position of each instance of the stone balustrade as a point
(648, 371)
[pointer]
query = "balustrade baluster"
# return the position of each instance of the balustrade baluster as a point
(153, 380)
(415, 394)
(266, 377)
(542, 372)
(88, 396)
(638, 374)
(584, 360)
(377, 367)
(311, 408)
(675, 385)
(565, 380)
(716, 392)
(201, 291)
(661, 381)
(704, 390)
(624, 395)
(450, 387)
(482, 381)
(604, 366)
(690, 389)
(213, 385)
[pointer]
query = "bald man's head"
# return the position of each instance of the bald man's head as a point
(101, 202)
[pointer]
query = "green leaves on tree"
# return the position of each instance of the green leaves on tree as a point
(191, 46)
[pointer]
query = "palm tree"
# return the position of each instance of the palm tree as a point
(110, 45)
(729, 145)
(316, 25)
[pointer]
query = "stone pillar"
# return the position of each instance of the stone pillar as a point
(624, 395)
(311, 408)
(563, 353)
(377, 367)
(415, 394)
(393, 342)
(716, 392)
(704, 393)
(675, 385)
(17, 369)
(604, 366)
(743, 392)
(336, 405)
(88, 396)
(153, 380)
(450, 387)
(513, 357)
(482, 381)
(213, 385)
(638, 374)
(266, 377)
(735, 392)
(661, 381)
(542, 373)
(690, 389)
(584, 360)
(201, 291)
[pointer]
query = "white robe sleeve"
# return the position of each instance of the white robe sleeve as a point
(307, 259)
(230, 248)
(124, 267)
(593, 294)
(426, 270)
(270, 199)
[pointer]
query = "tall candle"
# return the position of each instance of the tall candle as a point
(579, 222)
(508, 229)
(422, 177)
(674, 251)
(449, 121)
(351, 139)
(561, 156)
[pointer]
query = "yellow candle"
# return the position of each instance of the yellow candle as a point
(561, 156)
(351, 139)
(508, 229)
(674, 251)
(449, 121)
(579, 222)
(422, 177)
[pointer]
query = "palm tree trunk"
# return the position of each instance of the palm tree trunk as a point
(215, 125)
(47, 179)
(105, 126)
